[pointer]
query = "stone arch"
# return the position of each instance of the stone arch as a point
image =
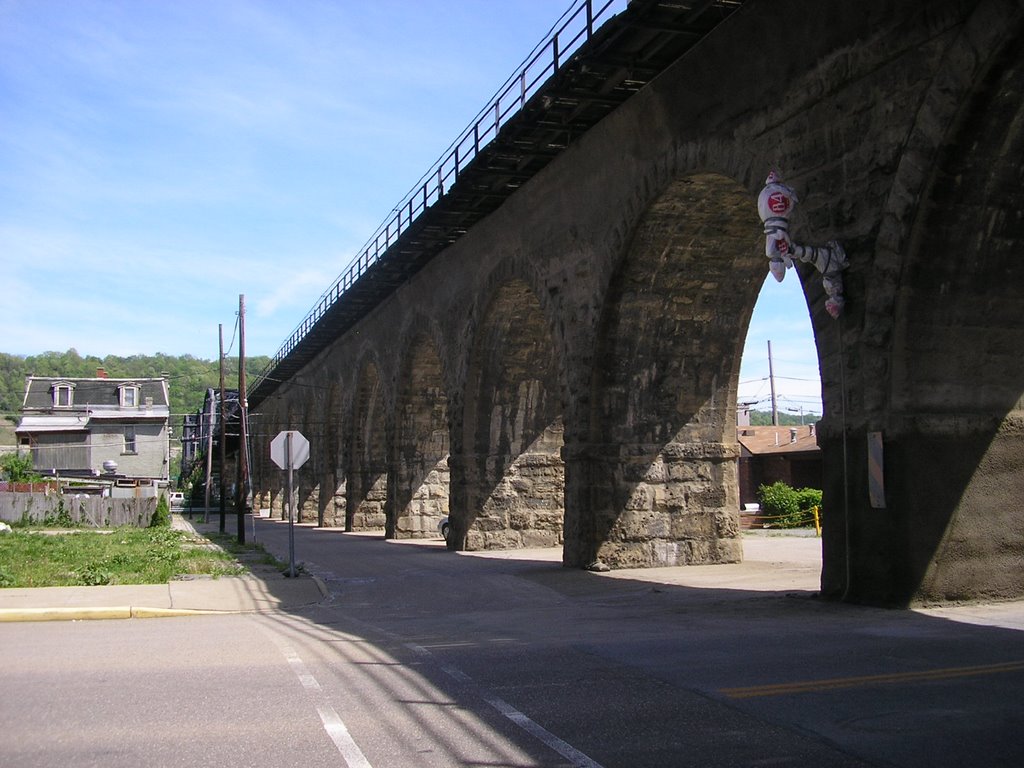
(367, 459)
(951, 408)
(419, 484)
(662, 450)
(510, 474)
(481, 302)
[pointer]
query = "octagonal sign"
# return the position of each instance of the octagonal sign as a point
(299, 449)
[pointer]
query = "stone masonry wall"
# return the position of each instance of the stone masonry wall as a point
(634, 261)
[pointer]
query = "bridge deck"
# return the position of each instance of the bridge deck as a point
(619, 58)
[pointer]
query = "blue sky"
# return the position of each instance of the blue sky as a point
(160, 157)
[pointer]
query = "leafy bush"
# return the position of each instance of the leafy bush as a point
(788, 507)
(17, 469)
(93, 575)
(807, 499)
(59, 517)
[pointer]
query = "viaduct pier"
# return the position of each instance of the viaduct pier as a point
(543, 342)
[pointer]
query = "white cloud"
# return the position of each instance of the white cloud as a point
(158, 159)
(288, 289)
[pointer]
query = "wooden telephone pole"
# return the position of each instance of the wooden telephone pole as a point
(223, 431)
(242, 492)
(771, 380)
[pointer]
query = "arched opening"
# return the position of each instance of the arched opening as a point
(331, 504)
(512, 431)
(420, 466)
(663, 451)
(367, 475)
(258, 462)
(279, 496)
(307, 478)
(779, 396)
(779, 405)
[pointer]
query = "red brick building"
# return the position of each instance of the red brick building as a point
(771, 454)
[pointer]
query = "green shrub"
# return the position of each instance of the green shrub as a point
(807, 499)
(93, 575)
(17, 469)
(162, 514)
(787, 507)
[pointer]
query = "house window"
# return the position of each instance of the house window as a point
(62, 395)
(129, 396)
(129, 440)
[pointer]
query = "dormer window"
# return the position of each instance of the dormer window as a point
(63, 395)
(129, 396)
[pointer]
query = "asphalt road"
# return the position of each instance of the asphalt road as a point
(423, 657)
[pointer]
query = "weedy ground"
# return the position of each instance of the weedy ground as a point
(42, 557)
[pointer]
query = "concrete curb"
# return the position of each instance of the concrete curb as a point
(322, 586)
(65, 614)
(99, 614)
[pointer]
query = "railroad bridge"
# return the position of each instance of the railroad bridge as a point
(543, 341)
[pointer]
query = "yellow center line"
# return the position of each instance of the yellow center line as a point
(810, 686)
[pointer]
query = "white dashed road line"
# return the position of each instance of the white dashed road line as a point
(332, 722)
(566, 750)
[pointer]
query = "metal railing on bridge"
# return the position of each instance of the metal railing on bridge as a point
(573, 30)
(651, 34)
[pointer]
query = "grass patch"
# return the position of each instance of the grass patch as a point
(32, 557)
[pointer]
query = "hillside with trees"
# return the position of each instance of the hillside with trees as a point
(764, 419)
(188, 377)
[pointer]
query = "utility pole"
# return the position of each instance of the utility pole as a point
(771, 379)
(223, 437)
(209, 456)
(242, 493)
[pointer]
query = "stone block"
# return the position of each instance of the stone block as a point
(640, 498)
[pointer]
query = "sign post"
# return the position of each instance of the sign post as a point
(290, 450)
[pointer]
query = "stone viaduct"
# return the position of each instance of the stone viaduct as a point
(564, 372)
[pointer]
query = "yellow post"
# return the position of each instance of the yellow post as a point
(817, 521)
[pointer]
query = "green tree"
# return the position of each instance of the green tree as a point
(17, 469)
(188, 377)
(162, 514)
(764, 419)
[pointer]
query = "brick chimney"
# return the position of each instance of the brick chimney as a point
(101, 373)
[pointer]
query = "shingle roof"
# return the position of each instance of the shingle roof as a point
(91, 392)
(763, 440)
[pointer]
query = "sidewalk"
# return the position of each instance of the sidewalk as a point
(264, 591)
(772, 563)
